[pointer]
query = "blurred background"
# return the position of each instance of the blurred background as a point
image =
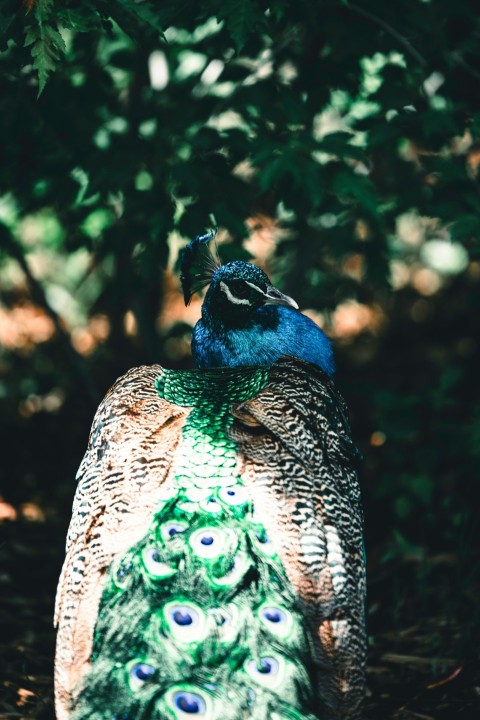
(337, 145)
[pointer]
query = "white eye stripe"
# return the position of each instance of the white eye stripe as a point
(237, 301)
(255, 287)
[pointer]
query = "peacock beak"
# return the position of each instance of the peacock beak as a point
(275, 297)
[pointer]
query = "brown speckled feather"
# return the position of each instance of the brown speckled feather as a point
(129, 456)
(300, 464)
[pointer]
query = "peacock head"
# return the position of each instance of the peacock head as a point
(237, 288)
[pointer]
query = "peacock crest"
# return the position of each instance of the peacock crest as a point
(198, 264)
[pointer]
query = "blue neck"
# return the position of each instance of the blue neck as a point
(260, 338)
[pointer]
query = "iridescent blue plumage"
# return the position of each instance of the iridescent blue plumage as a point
(269, 333)
(246, 321)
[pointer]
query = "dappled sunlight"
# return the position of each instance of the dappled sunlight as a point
(24, 326)
(410, 229)
(354, 266)
(400, 274)
(158, 70)
(25, 696)
(421, 311)
(51, 402)
(352, 318)
(30, 511)
(86, 339)
(7, 511)
(432, 265)
(265, 233)
(349, 320)
(378, 438)
(130, 324)
(426, 281)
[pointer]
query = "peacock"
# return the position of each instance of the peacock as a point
(214, 564)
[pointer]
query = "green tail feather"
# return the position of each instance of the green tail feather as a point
(198, 620)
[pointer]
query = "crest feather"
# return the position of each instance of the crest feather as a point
(197, 265)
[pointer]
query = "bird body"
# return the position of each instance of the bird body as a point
(214, 563)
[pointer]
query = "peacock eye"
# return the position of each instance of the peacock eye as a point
(123, 574)
(154, 565)
(265, 545)
(189, 703)
(208, 543)
(139, 673)
(175, 530)
(267, 666)
(142, 672)
(274, 615)
(172, 529)
(267, 671)
(239, 288)
(234, 495)
(278, 621)
(183, 616)
(239, 566)
(184, 701)
(186, 621)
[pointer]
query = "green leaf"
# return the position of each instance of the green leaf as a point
(43, 9)
(148, 14)
(338, 143)
(82, 19)
(56, 40)
(350, 185)
(6, 19)
(31, 36)
(465, 228)
(241, 18)
(47, 44)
